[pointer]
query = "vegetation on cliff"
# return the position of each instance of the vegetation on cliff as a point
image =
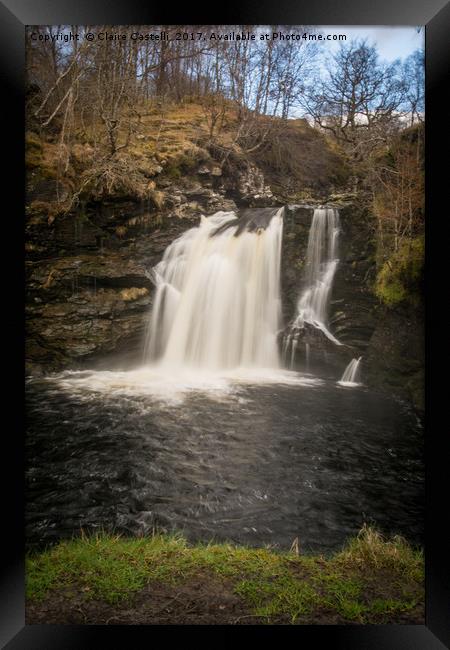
(106, 579)
(397, 178)
(297, 161)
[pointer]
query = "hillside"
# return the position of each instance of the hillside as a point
(175, 147)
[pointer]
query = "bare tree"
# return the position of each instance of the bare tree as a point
(414, 81)
(357, 99)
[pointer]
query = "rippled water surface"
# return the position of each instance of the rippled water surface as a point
(254, 462)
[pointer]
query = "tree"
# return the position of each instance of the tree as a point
(398, 190)
(414, 81)
(358, 99)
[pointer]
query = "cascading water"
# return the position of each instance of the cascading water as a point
(320, 268)
(351, 373)
(321, 265)
(217, 302)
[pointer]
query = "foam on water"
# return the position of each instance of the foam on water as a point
(162, 384)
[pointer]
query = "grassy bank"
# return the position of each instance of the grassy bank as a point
(163, 579)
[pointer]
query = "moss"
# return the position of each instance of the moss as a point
(186, 161)
(399, 279)
(172, 170)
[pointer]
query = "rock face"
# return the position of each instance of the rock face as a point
(297, 221)
(253, 189)
(396, 354)
(83, 306)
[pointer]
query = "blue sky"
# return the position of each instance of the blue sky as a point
(391, 42)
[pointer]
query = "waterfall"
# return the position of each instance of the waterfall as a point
(351, 372)
(320, 268)
(217, 300)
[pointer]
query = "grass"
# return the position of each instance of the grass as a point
(370, 580)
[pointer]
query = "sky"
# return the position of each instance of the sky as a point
(391, 42)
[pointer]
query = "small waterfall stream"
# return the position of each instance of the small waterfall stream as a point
(320, 269)
(349, 378)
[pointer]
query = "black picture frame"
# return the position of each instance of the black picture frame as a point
(14, 16)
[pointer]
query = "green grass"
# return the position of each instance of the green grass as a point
(371, 579)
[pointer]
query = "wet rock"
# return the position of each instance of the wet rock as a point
(297, 221)
(389, 340)
(199, 192)
(88, 305)
(93, 325)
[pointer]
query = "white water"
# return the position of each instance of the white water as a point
(164, 386)
(320, 269)
(217, 301)
(349, 378)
